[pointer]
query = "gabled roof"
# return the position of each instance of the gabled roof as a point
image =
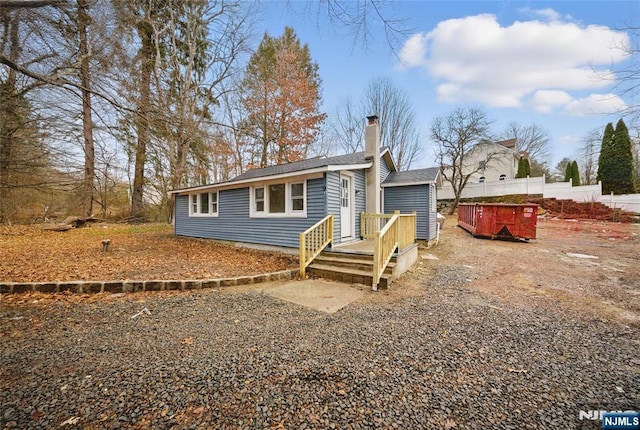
(412, 177)
(357, 160)
(509, 143)
(503, 145)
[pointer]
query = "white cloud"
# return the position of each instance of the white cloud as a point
(595, 104)
(413, 52)
(476, 59)
(547, 14)
(545, 101)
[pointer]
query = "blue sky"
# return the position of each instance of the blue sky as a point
(548, 63)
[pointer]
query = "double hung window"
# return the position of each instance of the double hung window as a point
(203, 204)
(279, 200)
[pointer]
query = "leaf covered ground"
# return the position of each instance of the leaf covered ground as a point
(141, 252)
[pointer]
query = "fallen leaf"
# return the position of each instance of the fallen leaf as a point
(145, 252)
(187, 341)
(449, 424)
(70, 421)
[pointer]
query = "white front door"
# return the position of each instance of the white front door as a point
(346, 221)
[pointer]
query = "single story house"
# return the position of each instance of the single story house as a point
(272, 205)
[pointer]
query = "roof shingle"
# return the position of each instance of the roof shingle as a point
(419, 176)
(311, 163)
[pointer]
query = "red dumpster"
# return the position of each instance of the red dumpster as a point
(499, 220)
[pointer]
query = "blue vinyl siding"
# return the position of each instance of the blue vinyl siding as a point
(412, 198)
(384, 170)
(233, 222)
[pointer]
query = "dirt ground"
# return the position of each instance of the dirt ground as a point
(589, 266)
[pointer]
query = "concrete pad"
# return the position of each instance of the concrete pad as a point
(320, 295)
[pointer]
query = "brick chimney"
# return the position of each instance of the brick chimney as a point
(372, 152)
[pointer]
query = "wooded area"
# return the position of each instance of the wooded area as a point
(106, 106)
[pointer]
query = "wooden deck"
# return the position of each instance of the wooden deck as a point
(364, 246)
(358, 247)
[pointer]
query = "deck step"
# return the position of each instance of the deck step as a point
(348, 274)
(359, 264)
(347, 255)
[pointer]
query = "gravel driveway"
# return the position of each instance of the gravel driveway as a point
(445, 355)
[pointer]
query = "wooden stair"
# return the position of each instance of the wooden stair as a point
(350, 267)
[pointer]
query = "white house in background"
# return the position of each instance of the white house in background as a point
(491, 161)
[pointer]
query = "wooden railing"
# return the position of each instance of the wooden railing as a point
(370, 224)
(384, 245)
(398, 232)
(314, 240)
(406, 230)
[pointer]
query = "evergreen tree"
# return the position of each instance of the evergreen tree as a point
(575, 174)
(521, 168)
(527, 167)
(605, 161)
(622, 160)
(568, 172)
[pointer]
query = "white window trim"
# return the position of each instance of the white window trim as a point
(207, 215)
(432, 196)
(288, 209)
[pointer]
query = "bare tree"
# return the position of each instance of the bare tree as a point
(33, 39)
(185, 55)
(456, 134)
(531, 139)
(361, 19)
(560, 171)
(233, 144)
(627, 78)
(588, 156)
(398, 129)
(61, 54)
(83, 22)
(347, 127)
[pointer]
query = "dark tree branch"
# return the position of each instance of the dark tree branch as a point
(30, 4)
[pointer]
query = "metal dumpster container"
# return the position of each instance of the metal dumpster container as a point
(499, 220)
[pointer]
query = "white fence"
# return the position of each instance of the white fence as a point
(558, 190)
(626, 202)
(497, 188)
(565, 191)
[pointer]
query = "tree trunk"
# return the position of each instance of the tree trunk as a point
(456, 201)
(9, 115)
(142, 120)
(87, 123)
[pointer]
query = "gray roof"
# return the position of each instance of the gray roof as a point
(311, 163)
(357, 158)
(418, 176)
